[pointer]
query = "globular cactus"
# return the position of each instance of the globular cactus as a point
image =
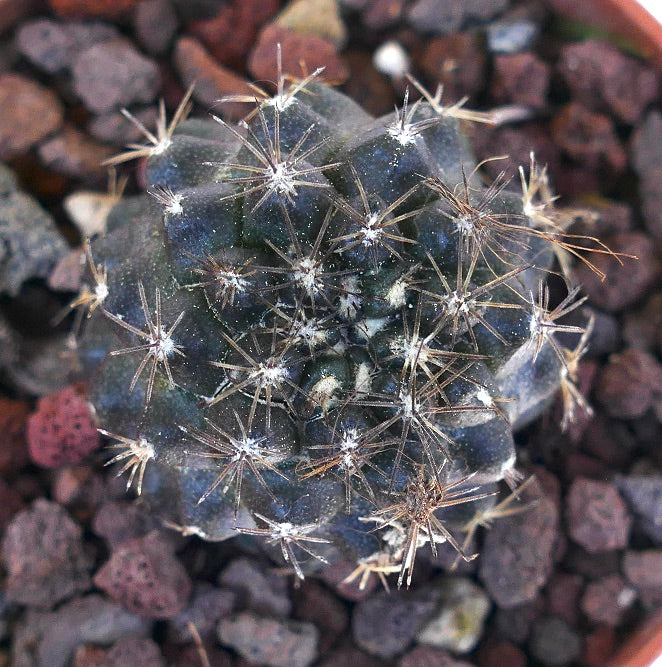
(321, 329)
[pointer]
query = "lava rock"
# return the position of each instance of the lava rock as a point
(623, 285)
(643, 494)
(553, 642)
(53, 45)
(212, 81)
(606, 600)
(256, 588)
(43, 552)
(62, 430)
(630, 384)
(446, 16)
(51, 639)
(518, 552)
(385, 624)
(643, 569)
(270, 642)
(155, 24)
(597, 517)
(145, 577)
(29, 112)
(114, 74)
(602, 78)
(208, 604)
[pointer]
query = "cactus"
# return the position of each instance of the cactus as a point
(322, 330)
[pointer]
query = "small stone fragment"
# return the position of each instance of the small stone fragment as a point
(53, 45)
(320, 18)
(511, 35)
(518, 551)
(212, 81)
(630, 384)
(119, 521)
(499, 654)
(30, 244)
(457, 623)
(311, 51)
(62, 430)
(597, 517)
(29, 112)
(134, 651)
(256, 588)
(643, 570)
(155, 25)
(563, 593)
(385, 624)
(208, 604)
(599, 647)
(43, 552)
(643, 494)
(458, 62)
(51, 639)
(230, 33)
(114, 74)
(553, 642)
(67, 274)
(73, 153)
(521, 78)
(447, 16)
(316, 604)
(646, 156)
(270, 642)
(643, 328)
(13, 420)
(588, 137)
(606, 600)
(623, 285)
(602, 78)
(145, 577)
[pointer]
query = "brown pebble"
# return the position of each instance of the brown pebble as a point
(73, 153)
(114, 74)
(629, 384)
(520, 78)
(155, 25)
(145, 577)
(456, 61)
(643, 570)
(604, 79)
(597, 517)
(43, 552)
(606, 600)
(518, 552)
(13, 450)
(301, 54)
(29, 112)
(563, 592)
(625, 282)
(133, 651)
(231, 32)
(588, 137)
(316, 604)
(500, 654)
(599, 646)
(212, 81)
(62, 430)
(270, 642)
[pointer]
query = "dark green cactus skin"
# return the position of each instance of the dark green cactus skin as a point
(348, 315)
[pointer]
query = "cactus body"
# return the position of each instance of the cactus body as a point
(320, 330)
